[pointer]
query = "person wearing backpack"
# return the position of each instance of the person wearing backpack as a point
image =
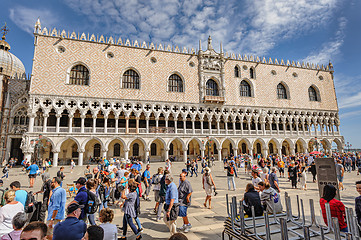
(90, 185)
(156, 187)
(56, 208)
(82, 196)
(230, 175)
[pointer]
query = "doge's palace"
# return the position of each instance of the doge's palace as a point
(97, 96)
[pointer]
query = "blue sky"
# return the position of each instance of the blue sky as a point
(304, 30)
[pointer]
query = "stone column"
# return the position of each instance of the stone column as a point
(94, 124)
(241, 126)
(202, 125)
(303, 127)
(55, 158)
(290, 123)
(316, 129)
(327, 130)
(220, 154)
(58, 116)
(31, 122)
(157, 123)
(292, 150)
(256, 125)
(126, 125)
(82, 117)
(263, 127)
(278, 126)
(280, 151)
(105, 124)
(234, 126)
(166, 153)
(226, 126)
(70, 124)
(332, 128)
(81, 157)
(185, 126)
(137, 125)
(175, 125)
(126, 154)
(249, 126)
(284, 127)
(146, 153)
(210, 126)
(235, 151)
(251, 152)
(27, 156)
(184, 154)
(147, 124)
(104, 153)
(297, 127)
(45, 122)
(321, 128)
(218, 128)
(202, 153)
(116, 124)
(193, 126)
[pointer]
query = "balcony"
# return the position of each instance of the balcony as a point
(213, 99)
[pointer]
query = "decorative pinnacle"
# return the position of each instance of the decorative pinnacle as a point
(209, 43)
(5, 31)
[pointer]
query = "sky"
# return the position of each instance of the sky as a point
(316, 31)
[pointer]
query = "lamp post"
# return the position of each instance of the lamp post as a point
(209, 144)
(37, 145)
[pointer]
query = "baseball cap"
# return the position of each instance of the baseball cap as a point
(1, 181)
(81, 181)
(73, 206)
(184, 170)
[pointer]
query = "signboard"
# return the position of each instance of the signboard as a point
(326, 174)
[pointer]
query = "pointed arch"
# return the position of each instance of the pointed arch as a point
(78, 73)
(154, 139)
(176, 138)
(234, 145)
(84, 143)
(137, 138)
(283, 91)
(314, 93)
(67, 138)
(198, 140)
(112, 139)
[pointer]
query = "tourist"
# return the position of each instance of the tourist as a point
(156, 187)
(340, 171)
(7, 212)
(270, 199)
(188, 164)
(87, 173)
(302, 175)
(18, 223)
(358, 203)
(98, 177)
(60, 175)
(20, 195)
(184, 198)
(171, 205)
(91, 187)
(147, 180)
(168, 165)
(71, 228)
(130, 211)
(255, 178)
(33, 171)
(292, 174)
(230, 176)
(56, 208)
(72, 166)
(313, 171)
(281, 167)
(208, 184)
(45, 190)
(264, 174)
(273, 180)
(106, 217)
(336, 207)
(251, 198)
(34, 231)
(162, 193)
(193, 168)
(6, 170)
(94, 233)
(82, 196)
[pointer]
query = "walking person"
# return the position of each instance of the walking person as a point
(56, 208)
(87, 173)
(168, 166)
(281, 167)
(273, 180)
(60, 174)
(45, 190)
(292, 174)
(302, 175)
(162, 193)
(90, 185)
(82, 196)
(230, 176)
(106, 217)
(208, 184)
(147, 180)
(33, 171)
(340, 171)
(72, 166)
(171, 205)
(156, 187)
(184, 197)
(6, 170)
(313, 171)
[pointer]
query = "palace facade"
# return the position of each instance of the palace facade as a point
(94, 96)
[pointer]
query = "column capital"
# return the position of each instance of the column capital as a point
(56, 151)
(82, 116)
(45, 115)
(32, 115)
(58, 115)
(71, 115)
(81, 150)
(94, 116)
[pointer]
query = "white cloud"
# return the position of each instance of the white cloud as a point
(329, 49)
(25, 18)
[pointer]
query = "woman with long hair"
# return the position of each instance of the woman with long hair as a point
(251, 198)
(208, 184)
(129, 209)
(337, 208)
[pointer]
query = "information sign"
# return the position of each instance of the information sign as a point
(326, 174)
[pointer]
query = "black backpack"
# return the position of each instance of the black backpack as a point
(29, 203)
(92, 203)
(4, 170)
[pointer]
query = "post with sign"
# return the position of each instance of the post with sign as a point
(326, 174)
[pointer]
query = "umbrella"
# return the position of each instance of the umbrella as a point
(315, 152)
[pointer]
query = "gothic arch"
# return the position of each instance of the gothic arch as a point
(137, 138)
(91, 138)
(67, 138)
(181, 77)
(70, 67)
(199, 142)
(154, 139)
(176, 138)
(135, 70)
(234, 145)
(106, 145)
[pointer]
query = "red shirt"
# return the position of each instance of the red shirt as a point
(337, 210)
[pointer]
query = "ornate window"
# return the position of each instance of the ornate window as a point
(312, 94)
(171, 149)
(21, 118)
(236, 71)
(251, 73)
(212, 88)
(135, 149)
(116, 150)
(131, 79)
(245, 89)
(153, 149)
(281, 91)
(97, 150)
(175, 83)
(79, 75)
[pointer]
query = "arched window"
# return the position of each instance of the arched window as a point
(153, 149)
(21, 117)
(281, 91)
(131, 79)
(251, 73)
(258, 148)
(171, 149)
(135, 149)
(74, 151)
(212, 88)
(97, 150)
(271, 150)
(312, 94)
(245, 89)
(244, 148)
(79, 75)
(236, 71)
(116, 150)
(175, 83)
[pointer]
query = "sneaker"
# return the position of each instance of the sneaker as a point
(182, 228)
(187, 228)
(158, 219)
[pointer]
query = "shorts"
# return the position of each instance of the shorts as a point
(32, 175)
(50, 229)
(156, 195)
(182, 211)
(340, 178)
(281, 170)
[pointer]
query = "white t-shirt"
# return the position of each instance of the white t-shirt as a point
(7, 214)
(255, 181)
(110, 231)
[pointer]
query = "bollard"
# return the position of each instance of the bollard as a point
(352, 224)
(268, 231)
(284, 231)
(298, 207)
(306, 233)
(336, 229)
(349, 236)
(357, 228)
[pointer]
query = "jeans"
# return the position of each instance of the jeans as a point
(348, 167)
(138, 223)
(104, 204)
(231, 180)
(127, 219)
(6, 175)
(194, 171)
(91, 219)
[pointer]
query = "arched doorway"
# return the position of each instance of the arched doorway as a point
(68, 150)
(137, 149)
(157, 150)
(176, 150)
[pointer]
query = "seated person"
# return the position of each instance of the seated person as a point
(251, 198)
(270, 199)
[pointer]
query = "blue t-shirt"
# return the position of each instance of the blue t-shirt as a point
(21, 196)
(82, 198)
(147, 175)
(33, 169)
(171, 193)
(70, 229)
(57, 202)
